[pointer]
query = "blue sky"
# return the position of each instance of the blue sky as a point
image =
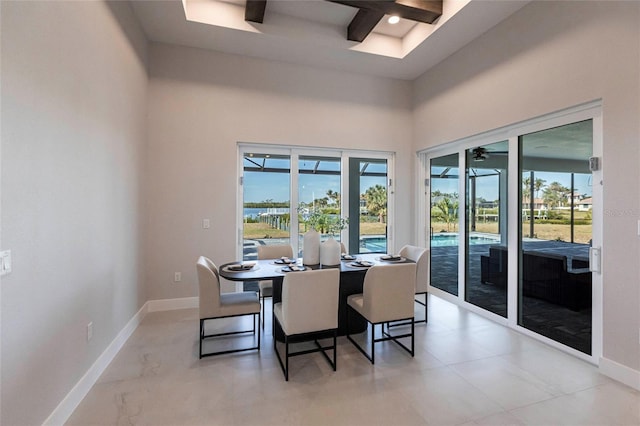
(487, 187)
(262, 186)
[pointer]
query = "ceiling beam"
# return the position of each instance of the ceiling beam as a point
(362, 24)
(426, 11)
(254, 11)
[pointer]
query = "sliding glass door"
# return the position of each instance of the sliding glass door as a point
(443, 238)
(319, 198)
(556, 199)
(266, 213)
(486, 226)
(528, 251)
(368, 216)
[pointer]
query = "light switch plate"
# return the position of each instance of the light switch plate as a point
(5, 262)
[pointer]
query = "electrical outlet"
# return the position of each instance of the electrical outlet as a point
(89, 331)
(177, 277)
(206, 223)
(5, 262)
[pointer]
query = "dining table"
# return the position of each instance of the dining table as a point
(352, 272)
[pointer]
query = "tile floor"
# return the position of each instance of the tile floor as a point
(467, 371)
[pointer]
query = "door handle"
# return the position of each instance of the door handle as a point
(595, 255)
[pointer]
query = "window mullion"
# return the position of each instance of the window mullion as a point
(293, 203)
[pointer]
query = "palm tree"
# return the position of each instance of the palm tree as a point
(526, 190)
(333, 196)
(447, 211)
(537, 185)
(376, 198)
(321, 202)
(554, 194)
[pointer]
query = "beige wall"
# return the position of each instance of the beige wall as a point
(547, 57)
(83, 129)
(202, 103)
(73, 134)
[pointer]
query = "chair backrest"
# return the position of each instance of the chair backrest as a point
(275, 251)
(310, 300)
(388, 292)
(208, 288)
(421, 256)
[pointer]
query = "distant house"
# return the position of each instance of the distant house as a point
(538, 204)
(576, 198)
(539, 209)
(363, 205)
(585, 204)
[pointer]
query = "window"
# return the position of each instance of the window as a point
(285, 191)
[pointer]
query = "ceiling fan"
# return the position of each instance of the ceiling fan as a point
(481, 154)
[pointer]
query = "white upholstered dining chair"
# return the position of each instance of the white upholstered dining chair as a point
(387, 295)
(308, 311)
(273, 251)
(215, 305)
(419, 255)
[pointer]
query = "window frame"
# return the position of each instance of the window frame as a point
(295, 152)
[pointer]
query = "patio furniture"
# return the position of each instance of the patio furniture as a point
(546, 276)
(493, 268)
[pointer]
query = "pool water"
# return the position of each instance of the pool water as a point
(379, 244)
(373, 245)
(448, 240)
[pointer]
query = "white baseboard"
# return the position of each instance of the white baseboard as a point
(172, 304)
(63, 411)
(621, 373)
(61, 414)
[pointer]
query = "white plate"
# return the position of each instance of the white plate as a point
(240, 267)
(348, 257)
(361, 264)
(284, 261)
(388, 258)
(294, 268)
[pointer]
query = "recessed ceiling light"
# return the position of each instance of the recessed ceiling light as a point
(393, 19)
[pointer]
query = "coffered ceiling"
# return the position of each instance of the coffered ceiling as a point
(320, 33)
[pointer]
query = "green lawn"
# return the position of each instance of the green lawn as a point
(264, 230)
(543, 231)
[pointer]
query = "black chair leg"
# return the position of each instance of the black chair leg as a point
(426, 317)
(361, 349)
(413, 337)
(254, 322)
(335, 350)
(252, 330)
(262, 305)
(286, 360)
(201, 337)
(373, 343)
